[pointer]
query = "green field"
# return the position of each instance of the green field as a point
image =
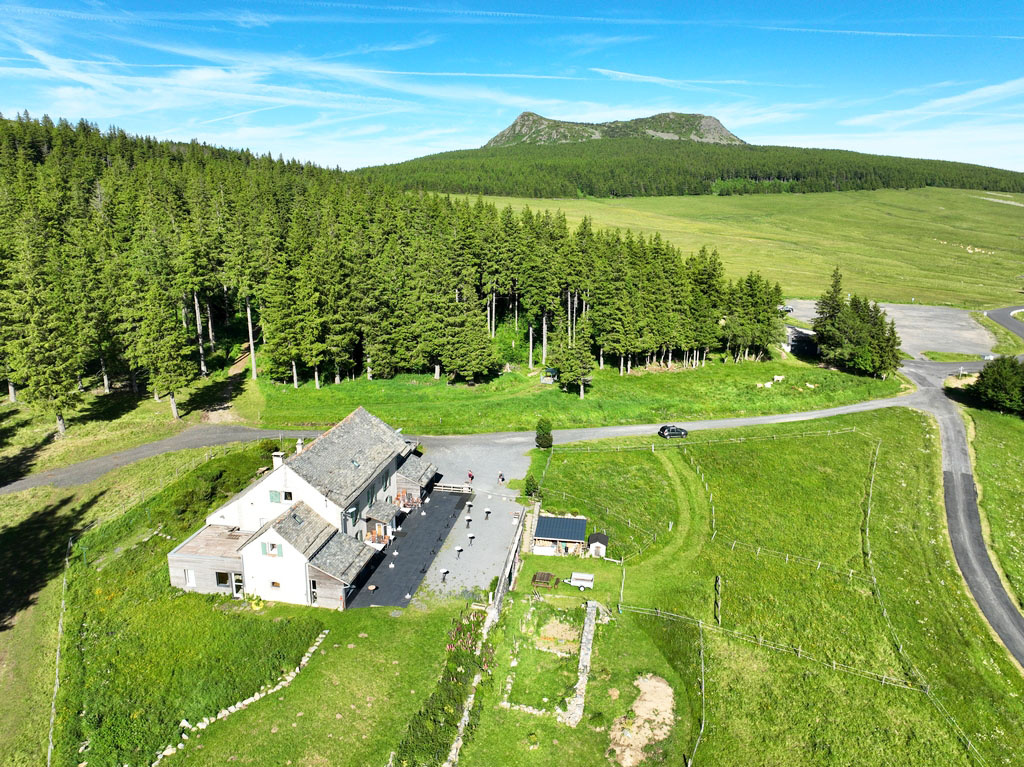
(998, 449)
(892, 245)
(802, 496)
(40, 521)
(514, 402)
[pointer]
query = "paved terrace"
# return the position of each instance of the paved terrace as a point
(412, 553)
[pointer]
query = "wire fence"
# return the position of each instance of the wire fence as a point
(695, 443)
(843, 572)
(64, 585)
(885, 679)
(700, 733)
(972, 750)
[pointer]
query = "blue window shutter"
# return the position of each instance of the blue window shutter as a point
(263, 547)
(280, 550)
(275, 496)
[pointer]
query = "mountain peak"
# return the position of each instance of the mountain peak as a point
(532, 128)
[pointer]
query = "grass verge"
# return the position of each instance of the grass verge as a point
(1006, 342)
(998, 446)
(951, 357)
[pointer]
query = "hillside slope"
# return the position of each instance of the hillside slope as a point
(642, 167)
(531, 128)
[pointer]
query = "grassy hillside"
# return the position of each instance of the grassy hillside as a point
(514, 401)
(642, 167)
(804, 496)
(936, 246)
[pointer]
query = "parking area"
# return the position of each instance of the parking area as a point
(925, 328)
(411, 556)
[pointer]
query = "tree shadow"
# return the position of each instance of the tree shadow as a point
(215, 395)
(14, 467)
(32, 552)
(107, 407)
(9, 426)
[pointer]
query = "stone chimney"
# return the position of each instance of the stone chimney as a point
(299, 444)
(278, 459)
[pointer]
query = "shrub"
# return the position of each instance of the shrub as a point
(543, 433)
(531, 487)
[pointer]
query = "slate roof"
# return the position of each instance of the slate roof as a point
(597, 538)
(418, 470)
(304, 529)
(382, 511)
(347, 456)
(343, 557)
(561, 529)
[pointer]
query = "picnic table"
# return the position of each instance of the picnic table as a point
(544, 580)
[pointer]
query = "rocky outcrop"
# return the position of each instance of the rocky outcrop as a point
(532, 128)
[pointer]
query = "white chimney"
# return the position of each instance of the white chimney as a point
(299, 444)
(278, 459)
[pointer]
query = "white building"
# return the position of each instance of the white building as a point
(305, 531)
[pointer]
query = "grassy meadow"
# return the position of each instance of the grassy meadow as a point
(35, 526)
(1006, 342)
(998, 444)
(100, 424)
(514, 401)
(892, 245)
(805, 497)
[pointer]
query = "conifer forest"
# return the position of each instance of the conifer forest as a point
(124, 258)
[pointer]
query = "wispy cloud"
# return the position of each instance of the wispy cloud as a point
(949, 105)
(412, 45)
(583, 44)
(996, 145)
(687, 84)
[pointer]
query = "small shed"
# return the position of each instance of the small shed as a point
(597, 545)
(560, 536)
(549, 376)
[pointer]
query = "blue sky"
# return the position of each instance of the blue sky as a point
(352, 84)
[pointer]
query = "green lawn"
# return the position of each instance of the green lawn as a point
(39, 521)
(892, 245)
(351, 705)
(100, 424)
(998, 450)
(806, 497)
(138, 655)
(514, 401)
(951, 357)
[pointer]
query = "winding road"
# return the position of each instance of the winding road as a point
(505, 452)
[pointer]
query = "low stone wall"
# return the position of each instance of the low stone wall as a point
(224, 713)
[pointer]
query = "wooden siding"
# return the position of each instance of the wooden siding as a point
(330, 592)
(205, 569)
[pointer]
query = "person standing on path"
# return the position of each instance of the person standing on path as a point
(470, 474)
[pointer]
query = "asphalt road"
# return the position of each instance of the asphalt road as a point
(487, 454)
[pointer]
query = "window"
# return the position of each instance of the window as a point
(287, 495)
(275, 496)
(272, 549)
(275, 585)
(369, 495)
(222, 579)
(190, 578)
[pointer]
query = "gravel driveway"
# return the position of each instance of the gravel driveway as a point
(925, 328)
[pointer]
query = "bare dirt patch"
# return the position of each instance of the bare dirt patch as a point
(556, 632)
(960, 382)
(649, 720)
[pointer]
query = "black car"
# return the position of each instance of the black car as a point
(668, 432)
